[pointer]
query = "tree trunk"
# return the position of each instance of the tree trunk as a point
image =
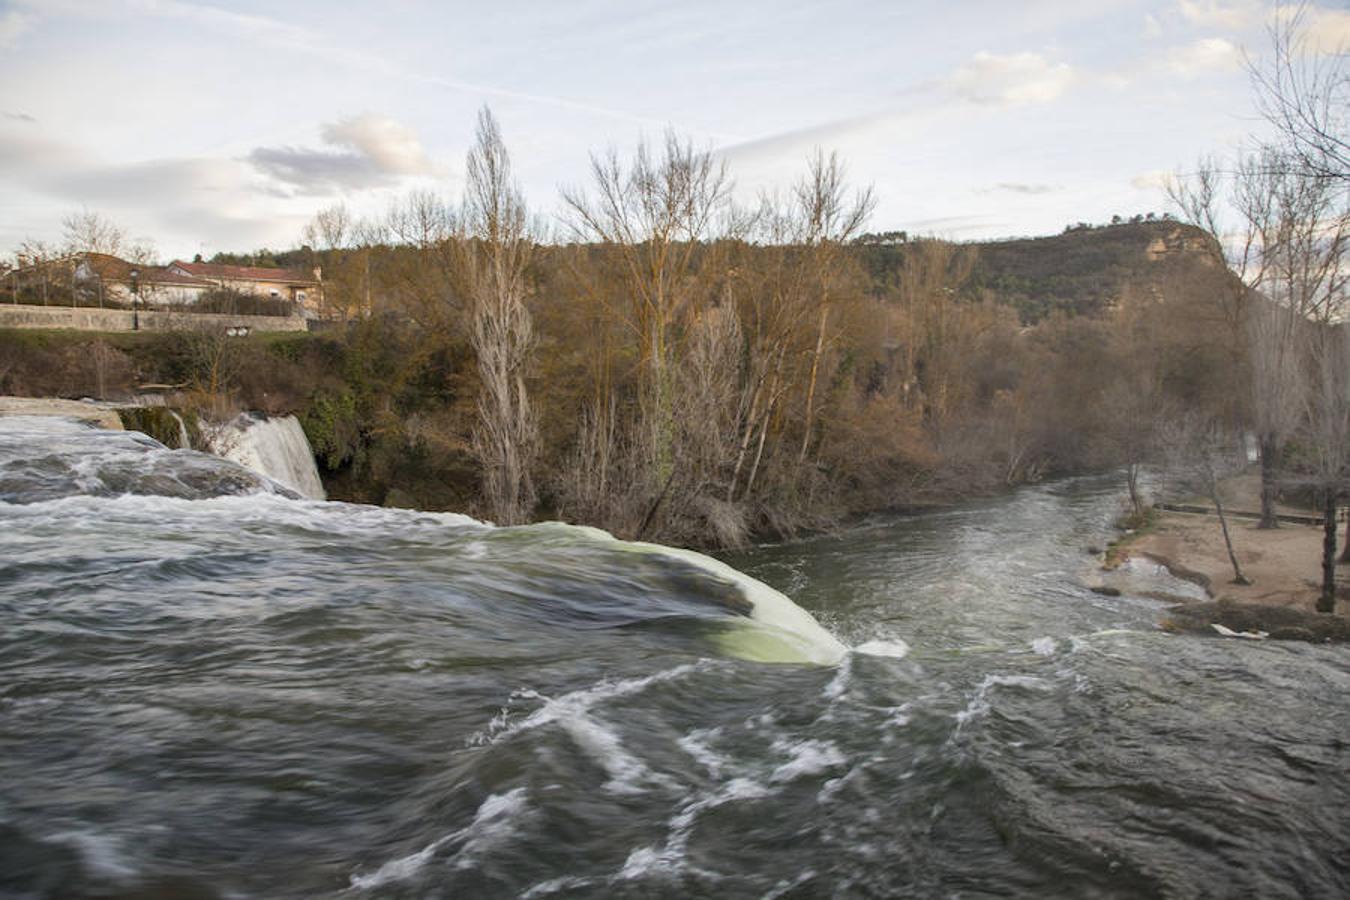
(1238, 577)
(1326, 602)
(1345, 551)
(1132, 482)
(811, 385)
(1270, 450)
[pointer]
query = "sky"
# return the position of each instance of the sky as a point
(206, 127)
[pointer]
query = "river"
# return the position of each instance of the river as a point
(210, 687)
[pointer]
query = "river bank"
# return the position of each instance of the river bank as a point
(1282, 564)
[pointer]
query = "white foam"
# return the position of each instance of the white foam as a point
(979, 701)
(893, 648)
(576, 703)
(809, 757)
(493, 823)
(101, 853)
(572, 712)
(1045, 646)
(1249, 635)
(670, 859)
(603, 745)
(399, 869)
(839, 683)
(557, 885)
(697, 744)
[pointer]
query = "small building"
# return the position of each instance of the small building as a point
(111, 278)
(99, 279)
(304, 289)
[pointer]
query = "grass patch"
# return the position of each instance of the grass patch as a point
(1134, 526)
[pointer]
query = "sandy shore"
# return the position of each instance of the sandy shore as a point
(1284, 564)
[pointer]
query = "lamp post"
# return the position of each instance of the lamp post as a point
(135, 298)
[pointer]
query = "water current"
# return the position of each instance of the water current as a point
(210, 687)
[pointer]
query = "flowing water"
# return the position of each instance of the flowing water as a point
(275, 447)
(212, 688)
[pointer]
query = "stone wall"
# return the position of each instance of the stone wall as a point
(87, 319)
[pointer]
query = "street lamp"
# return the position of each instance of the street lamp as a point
(135, 297)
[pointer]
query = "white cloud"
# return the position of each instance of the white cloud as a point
(391, 146)
(371, 151)
(1328, 30)
(1151, 181)
(1152, 27)
(1211, 54)
(1013, 80)
(1213, 14)
(13, 24)
(1019, 187)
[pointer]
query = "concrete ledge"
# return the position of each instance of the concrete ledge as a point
(87, 319)
(94, 413)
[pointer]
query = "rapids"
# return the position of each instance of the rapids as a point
(210, 687)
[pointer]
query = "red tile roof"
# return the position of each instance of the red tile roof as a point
(246, 273)
(112, 268)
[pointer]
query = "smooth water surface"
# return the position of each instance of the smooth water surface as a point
(210, 688)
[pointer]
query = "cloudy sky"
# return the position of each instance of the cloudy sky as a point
(210, 126)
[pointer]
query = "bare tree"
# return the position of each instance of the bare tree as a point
(829, 219)
(654, 211)
(330, 229)
(1288, 243)
(496, 248)
(1303, 90)
(36, 257)
(1275, 347)
(1134, 398)
(91, 232)
(141, 251)
(422, 283)
(421, 219)
(1328, 416)
(1199, 452)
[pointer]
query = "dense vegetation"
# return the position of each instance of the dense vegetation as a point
(930, 383)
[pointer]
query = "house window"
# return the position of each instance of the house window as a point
(300, 295)
(276, 293)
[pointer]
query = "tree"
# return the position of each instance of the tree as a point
(419, 276)
(654, 212)
(1328, 416)
(36, 256)
(1303, 90)
(91, 232)
(329, 229)
(1289, 244)
(1134, 400)
(829, 220)
(1276, 358)
(496, 248)
(1199, 452)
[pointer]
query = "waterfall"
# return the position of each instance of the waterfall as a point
(275, 447)
(184, 442)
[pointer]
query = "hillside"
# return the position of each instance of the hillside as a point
(1082, 271)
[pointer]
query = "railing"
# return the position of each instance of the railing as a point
(1291, 518)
